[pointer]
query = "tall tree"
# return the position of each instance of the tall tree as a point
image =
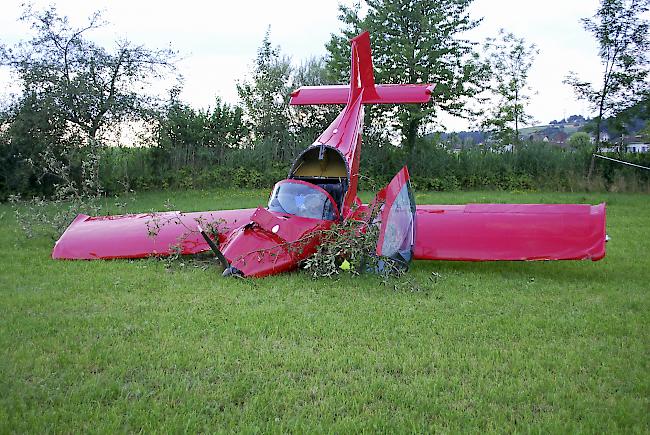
(265, 96)
(27, 129)
(510, 59)
(622, 34)
(90, 87)
(414, 41)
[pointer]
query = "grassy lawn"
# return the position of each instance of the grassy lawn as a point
(110, 346)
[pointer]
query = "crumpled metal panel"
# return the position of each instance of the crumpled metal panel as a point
(273, 243)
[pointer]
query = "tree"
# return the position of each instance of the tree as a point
(579, 140)
(27, 130)
(622, 35)
(414, 41)
(90, 87)
(510, 59)
(628, 121)
(265, 97)
(72, 91)
(645, 131)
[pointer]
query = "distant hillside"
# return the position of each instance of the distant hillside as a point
(557, 131)
(629, 122)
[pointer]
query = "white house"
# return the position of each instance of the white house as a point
(637, 147)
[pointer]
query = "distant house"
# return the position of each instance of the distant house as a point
(630, 144)
(635, 144)
(637, 148)
(559, 138)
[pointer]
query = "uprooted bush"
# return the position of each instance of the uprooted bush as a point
(350, 247)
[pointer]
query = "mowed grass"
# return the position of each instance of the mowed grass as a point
(128, 346)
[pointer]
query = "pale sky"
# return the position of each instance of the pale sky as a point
(219, 40)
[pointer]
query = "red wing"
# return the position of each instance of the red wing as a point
(483, 232)
(130, 236)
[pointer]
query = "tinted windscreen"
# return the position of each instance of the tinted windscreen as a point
(301, 200)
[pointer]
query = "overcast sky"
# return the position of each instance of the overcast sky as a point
(218, 40)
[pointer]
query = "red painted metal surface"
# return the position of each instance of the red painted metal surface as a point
(362, 78)
(344, 134)
(128, 236)
(255, 241)
(339, 94)
(273, 243)
(485, 232)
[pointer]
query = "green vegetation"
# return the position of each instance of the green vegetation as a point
(76, 96)
(621, 30)
(510, 59)
(413, 41)
(130, 346)
(534, 166)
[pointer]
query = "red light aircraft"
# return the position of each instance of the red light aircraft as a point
(321, 189)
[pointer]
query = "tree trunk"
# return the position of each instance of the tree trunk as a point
(410, 131)
(598, 127)
(516, 118)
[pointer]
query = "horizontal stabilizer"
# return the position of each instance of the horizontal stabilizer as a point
(338, 94)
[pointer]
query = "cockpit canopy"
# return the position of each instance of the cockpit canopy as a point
(300, 198)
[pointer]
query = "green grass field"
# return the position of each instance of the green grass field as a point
(130, 346)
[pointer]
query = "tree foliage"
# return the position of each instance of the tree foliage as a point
(88, 85)
(628, 121)
(414, 41)
(265, 97)
(310, 121)
(27, 129)
(579, 140)
(73, 90)
(622, 35)
(510, 59)
(186, 135)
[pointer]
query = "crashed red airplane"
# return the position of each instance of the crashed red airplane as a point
(321, 189)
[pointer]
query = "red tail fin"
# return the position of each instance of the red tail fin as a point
(362, 76)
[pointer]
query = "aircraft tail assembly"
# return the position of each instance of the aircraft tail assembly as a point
(362, 78)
